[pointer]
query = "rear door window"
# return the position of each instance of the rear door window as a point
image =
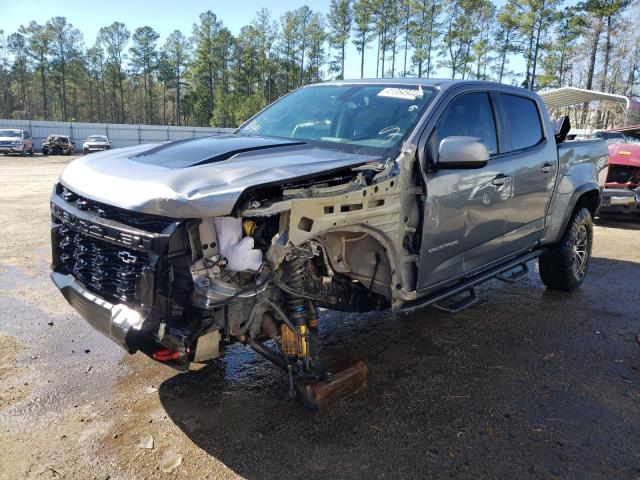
(523, 119)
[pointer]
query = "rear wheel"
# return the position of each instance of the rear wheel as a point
(564, 267)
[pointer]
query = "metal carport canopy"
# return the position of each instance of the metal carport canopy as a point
(566, 96)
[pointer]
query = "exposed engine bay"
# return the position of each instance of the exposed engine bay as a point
(260, 274)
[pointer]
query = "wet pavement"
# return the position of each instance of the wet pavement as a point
(528, 383)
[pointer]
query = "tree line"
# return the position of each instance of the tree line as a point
(210, 76)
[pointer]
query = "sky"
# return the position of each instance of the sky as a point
(165, 16)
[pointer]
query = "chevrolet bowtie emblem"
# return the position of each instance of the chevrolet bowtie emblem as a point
(127, 257)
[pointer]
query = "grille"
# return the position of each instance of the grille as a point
(150, 223)
(623, 174)
(108, 270)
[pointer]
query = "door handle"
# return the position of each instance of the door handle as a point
(546, 168)
(500, 180)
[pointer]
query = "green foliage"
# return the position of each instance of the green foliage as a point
(424, 31)
(177, 50)
(340, 19)
(144, 57)
(114, 39)
(213, 77)
(362, 28)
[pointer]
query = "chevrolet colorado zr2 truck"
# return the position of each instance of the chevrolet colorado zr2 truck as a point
(347, 195)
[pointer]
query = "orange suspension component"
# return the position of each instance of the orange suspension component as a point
(294, 345)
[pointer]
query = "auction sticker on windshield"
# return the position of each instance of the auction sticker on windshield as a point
(402, 93)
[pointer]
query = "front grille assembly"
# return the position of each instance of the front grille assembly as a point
(109, 270)
(113, 252)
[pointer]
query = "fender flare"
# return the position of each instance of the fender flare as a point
(576, 195)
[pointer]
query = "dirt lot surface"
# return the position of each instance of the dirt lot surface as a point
(529, 383)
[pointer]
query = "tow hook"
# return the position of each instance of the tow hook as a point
(166, 355)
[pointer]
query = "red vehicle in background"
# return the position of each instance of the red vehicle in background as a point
(622, 188)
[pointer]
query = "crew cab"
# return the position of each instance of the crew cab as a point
(622, 189)
(13, 140)
(349, 195)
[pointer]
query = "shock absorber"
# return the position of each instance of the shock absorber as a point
(296, 345)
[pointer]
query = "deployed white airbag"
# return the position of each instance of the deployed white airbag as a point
(238, 251)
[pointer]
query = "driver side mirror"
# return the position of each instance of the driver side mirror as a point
(462, 152)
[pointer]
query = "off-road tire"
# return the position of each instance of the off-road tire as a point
(564, 267)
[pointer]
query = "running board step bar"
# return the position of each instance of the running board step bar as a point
(458, 305)
(467, 285)
(514, 276)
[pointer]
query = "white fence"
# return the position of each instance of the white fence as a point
(121, 135)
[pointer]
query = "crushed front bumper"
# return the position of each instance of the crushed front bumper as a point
(114, 321)
(620, 200)
(120, 323)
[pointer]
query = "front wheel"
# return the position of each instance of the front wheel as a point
(564, 267)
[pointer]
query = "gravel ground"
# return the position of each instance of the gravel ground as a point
(529, 383)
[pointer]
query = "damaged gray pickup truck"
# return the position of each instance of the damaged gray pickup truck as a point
(347, 195)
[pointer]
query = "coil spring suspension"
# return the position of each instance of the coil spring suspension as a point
(292, 344)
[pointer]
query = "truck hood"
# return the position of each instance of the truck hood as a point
(627, 154)
(200, 177)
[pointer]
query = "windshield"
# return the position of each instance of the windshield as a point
(618, 137)
(10, 133)
(377, 116)
(96, 138)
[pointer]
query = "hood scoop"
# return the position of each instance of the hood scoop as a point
(204, 150)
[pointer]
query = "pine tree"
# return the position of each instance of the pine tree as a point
(16, 44)
(363, 28)
(424, 31)
(66, 43)
(266, 31)
(38, 44)
(560, 51)
(144, 56)
(114, 38)
(177, 48)
(505, 39)
(340, 18)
